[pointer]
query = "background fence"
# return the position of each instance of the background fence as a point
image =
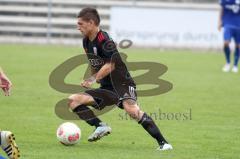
(54, 21)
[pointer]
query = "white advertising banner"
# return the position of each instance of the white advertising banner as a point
(163, 27)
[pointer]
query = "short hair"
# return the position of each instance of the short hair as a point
(88, 14)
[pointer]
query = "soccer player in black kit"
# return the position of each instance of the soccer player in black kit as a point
(116, 85)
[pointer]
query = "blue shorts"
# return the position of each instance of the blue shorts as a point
(232, 33)
(1, 157)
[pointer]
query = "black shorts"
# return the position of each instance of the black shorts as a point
(109, 96)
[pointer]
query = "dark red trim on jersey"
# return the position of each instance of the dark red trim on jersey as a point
(100, 37)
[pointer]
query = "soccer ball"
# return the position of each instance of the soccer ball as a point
(68, 133)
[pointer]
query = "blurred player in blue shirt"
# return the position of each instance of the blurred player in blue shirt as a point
(229, 19)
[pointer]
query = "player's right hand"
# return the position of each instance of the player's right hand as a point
(88, 82)
(5, 85)
(85, 84)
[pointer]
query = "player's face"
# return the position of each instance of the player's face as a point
(85, 26)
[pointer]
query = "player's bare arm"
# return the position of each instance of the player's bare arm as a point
(5, 83)
(106, 69)
(220, 19)
(92, 79)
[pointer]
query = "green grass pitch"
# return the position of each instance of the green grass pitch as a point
(199, 85)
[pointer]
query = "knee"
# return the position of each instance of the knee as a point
(129, 104)
(74, 97)
(74, 100)
(131, 107)
(226, 44)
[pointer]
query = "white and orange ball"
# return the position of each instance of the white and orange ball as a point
(68, 133)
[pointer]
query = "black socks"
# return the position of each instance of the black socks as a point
(87, 115)
(146, 121)
(149, 125)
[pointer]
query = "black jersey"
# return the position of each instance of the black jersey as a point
(102, 50)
